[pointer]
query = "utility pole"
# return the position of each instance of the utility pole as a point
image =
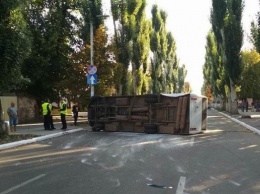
(91, 55)
(92, 50)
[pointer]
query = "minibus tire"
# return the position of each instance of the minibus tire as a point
(91, 123)
(91, 117)
(98, 127)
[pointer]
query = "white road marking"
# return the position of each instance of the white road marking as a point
(23, 184)
(181, 185)
(235, 183)
(192, 141)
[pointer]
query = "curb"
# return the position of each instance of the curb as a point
(36, 139)
(255, 130)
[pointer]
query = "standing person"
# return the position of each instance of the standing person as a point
(63, 112)
(75, 110)
(12, 113)
(246, 105)
(46, 112)
(243, 105)
(51, 119)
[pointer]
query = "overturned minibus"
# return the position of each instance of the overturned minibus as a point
(180, 113)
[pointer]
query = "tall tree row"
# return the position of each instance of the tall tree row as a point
(132, 37)
(224, 43)
(215, 77)
(226, 19)
(139, 41)
(138, 36)
(164, 60)
(45, 49)
(121, 38)
(159, 48)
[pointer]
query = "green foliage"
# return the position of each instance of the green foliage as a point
(164, 63)
(233, 34)
(212, 69)
(90, 10)
(53, 36)
(226, 24)
(218, 15)
(122, 38)
(255, 33)
(132, 37)
(15, 45)
(250, 77)
(182, 72)
(45, 48)
(109, 72)
(254, 36)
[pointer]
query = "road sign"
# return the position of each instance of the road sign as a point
(92, 69)
(92, 79)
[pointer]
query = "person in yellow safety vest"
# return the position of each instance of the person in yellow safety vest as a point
(51, 119)
(46, 115)
(63, 112)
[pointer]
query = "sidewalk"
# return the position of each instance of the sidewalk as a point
(38, 130)
(250, 120)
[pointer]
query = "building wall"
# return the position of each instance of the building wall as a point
(28, 110)
(6, 102)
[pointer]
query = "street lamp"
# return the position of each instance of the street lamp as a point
(92, 50)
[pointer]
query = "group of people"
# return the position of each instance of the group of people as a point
(47, 114)
(47, 109)
(244, 105)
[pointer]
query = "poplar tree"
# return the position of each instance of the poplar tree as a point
(226, 18)
(122, 38)
(164, 62)
(213, 69)
(133, 40)
(159, 49)
(255, 33)
(139, 43)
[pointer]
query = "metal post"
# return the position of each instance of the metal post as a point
(91, 55)
(92, 51)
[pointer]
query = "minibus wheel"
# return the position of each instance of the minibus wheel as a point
(98, 127)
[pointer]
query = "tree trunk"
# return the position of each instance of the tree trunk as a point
(233, 99)
(134, 76)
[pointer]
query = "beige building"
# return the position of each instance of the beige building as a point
(28, 110)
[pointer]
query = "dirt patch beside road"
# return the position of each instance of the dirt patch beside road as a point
(5, 138)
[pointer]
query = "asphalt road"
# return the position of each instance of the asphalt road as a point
(223, 160)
